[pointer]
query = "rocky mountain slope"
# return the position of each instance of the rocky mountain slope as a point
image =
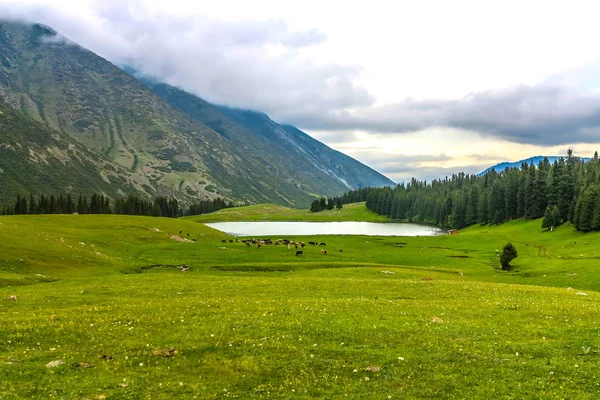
(49, 161)
(295, 153)
(166, 148)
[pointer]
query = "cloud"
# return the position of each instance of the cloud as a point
(544, 114)
(249, 64)
(261, 65)
(431, 173)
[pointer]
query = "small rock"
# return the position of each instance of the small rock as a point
(55, 363)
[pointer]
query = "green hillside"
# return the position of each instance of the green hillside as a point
(48, 161)
(422, 317)
(272, 212)
(314, 167)
(167, 151)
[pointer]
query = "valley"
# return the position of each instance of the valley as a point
(389, 316)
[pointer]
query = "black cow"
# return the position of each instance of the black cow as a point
(322, 244)
(223, 241)
(299, 252)
(312, 243)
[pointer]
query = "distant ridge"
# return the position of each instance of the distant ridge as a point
(514, 164)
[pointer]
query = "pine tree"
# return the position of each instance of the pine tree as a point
(315, 206)
(551, 217)
(330, 204)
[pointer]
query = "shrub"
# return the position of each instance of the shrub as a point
(509, 253)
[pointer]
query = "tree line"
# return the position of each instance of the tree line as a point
(567, 190)
(161, 206)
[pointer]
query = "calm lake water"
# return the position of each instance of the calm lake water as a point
(324, 228)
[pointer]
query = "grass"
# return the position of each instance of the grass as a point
(427, 317)
(271, 212)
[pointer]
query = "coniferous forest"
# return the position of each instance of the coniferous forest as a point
(99, 204)
(566, 191)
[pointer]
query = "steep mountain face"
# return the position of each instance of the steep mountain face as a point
(37, 159)
(535, 160)
(165, 148)
(304, 161)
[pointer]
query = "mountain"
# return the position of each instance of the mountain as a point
(37, 159)
(294, 152)
(166, 146)
(517, 164)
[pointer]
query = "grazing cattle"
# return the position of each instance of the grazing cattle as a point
(302, 244)
(312, 243)
(340, 251)
(258, 245)
(180, 232)
(299, 252)
(323, 251)
(323, 244)
(188, 234)
(223, 241)
(194, 240)
(248, 244)
(296, 245)
(237, 241)
(230, 240)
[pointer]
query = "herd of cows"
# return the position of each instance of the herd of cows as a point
(299, 246)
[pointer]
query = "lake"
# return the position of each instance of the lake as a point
(324, 228)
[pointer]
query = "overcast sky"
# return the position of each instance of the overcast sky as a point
(411, 88)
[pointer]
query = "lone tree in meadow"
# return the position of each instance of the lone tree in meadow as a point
(509, 253)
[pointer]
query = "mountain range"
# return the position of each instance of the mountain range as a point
(82, 124)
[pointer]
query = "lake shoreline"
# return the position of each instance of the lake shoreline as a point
(314, 228)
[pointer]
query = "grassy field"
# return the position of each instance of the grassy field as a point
(427, 317)
(271, 212)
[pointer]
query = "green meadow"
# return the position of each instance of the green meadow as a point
(386, 318)
(272, 212)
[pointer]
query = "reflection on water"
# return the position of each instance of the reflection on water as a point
(324, 228)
